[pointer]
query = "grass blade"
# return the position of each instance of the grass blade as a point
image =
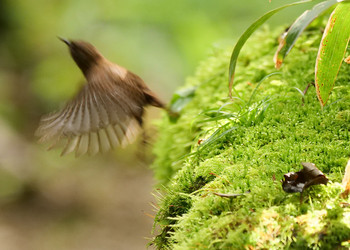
(289, 39)
(332, 50)
(244, 37)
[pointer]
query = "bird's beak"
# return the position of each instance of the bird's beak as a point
(64, 40)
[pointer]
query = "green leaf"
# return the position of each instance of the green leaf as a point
(290, 37)
(181, 98)
(244, 37)
(332, 50)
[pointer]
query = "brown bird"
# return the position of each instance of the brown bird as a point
(106, 113)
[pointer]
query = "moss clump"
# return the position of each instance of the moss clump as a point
(247, 145)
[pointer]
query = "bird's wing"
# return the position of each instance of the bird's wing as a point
(150, 96)
(96, 120)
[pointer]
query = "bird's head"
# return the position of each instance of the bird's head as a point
(84, 54)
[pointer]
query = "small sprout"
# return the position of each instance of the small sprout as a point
(298, 181)
(308, 86)
(305, 91)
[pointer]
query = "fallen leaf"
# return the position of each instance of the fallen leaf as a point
(298, 181)
(344, 204)
(347, 60)
(346, 181)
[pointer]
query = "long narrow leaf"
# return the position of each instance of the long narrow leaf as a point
(289, 39)
(332, 50)
(244, 37)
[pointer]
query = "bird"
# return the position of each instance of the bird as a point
(107, 112)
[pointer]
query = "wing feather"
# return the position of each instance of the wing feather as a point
(102, 116)
(83, 146)
(70, 145)
(113, 139)
(94, 146)
(104, 141)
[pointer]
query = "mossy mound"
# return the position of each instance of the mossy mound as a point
(248, 145)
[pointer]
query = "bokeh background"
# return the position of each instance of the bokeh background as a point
(101, 202)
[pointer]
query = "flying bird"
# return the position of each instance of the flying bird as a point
(106, 113)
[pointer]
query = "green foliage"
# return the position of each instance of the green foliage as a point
(244, 37)
(247, 145)
(332, 47)
(297, 28)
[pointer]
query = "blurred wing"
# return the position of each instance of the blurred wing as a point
(96, 120)
(150, 96)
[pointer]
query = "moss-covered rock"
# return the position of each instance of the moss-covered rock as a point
(220, 146)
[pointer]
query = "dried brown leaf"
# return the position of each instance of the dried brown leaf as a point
(346, 181)
(298, 181)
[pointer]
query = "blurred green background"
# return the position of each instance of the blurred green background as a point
(102, 202)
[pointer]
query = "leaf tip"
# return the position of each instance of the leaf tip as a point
(278, 63)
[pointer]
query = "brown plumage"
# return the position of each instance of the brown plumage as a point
(106, 113)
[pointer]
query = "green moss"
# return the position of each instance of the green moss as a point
(247, 145)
